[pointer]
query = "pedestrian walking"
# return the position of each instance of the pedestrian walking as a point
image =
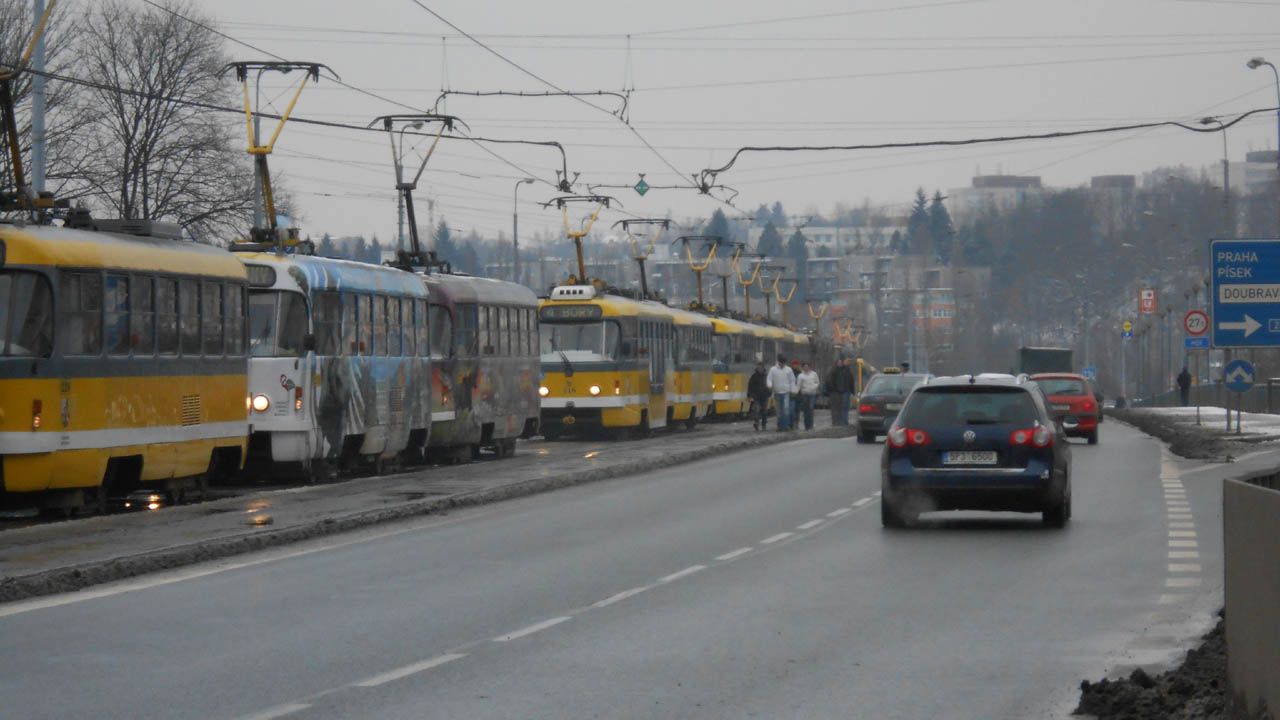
(1184, 386)
(840, 387)
(758, 394)
(782, 383)
(807, 392)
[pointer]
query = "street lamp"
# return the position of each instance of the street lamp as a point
(1254, 64)
(515, 229)
(1227, 223)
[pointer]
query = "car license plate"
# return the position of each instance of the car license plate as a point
(969, 457)
(1061, 407)
(893, 406)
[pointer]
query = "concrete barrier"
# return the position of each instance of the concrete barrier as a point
(1251, 537)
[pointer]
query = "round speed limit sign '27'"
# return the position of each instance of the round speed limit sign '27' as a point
(1196, 323)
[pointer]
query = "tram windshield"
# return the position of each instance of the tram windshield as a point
(26, 315)
(596, 340)
(277, 323)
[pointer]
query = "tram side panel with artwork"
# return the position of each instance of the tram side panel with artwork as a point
(123, 363)
(339, 363)
(484, 375)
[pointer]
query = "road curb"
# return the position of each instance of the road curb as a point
(83, 575)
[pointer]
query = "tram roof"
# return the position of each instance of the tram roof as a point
(64, 247)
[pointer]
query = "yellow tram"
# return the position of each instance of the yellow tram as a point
(736, 350)
(123, 362)
(690, 394)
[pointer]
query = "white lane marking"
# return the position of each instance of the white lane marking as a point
(1184, 567)
(1182, 533)
(1184, 554)
(1175, 495)
(1183, 543)
(838, 513)
(1185, 525)
(683, 573)
(775, 538)
(875, 494)
(278, 711)
(410, 669)
(620, 596)
(1182, 582)
(536, 627)
(736, 553)
(1179, 516)
(1171, 599)
(810, 525)
(862, 502)
(1177, 503)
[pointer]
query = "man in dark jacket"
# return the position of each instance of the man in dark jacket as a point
(758, 394)
(1184, 386)
(840, 385)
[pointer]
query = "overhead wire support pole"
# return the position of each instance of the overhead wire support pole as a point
(24, 196)
(751, 280)
(563, 202)
(621, 113)
(641, 256)
(260, 152)
(415, 257)
(700, 266)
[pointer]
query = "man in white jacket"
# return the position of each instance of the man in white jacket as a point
(782, 383)
(808, 384)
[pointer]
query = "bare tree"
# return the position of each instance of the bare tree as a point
(155, 155)
(65, 118)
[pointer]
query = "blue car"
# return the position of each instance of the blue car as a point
(975, 443)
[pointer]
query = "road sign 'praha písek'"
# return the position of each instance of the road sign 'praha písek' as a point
(1246, 293)
(1237, 376)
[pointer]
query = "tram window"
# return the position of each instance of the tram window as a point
(189, 316)
(393, 326)
(167, 316)
(327, 315)
(350, 336)
(504, 339)
(517, 331)
(379, 346)
(466, 340)
(233, 308)
(142, 334)
(211, 315)
(486, 329)
(116, 303)
(366, 325)
(405, 324)
(422, 328)
(26, 315)
(441, 328)
(80, 314)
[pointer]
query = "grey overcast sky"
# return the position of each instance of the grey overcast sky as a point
(712, 76)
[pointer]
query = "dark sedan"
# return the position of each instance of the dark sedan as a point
(881, 400)
(968, 443)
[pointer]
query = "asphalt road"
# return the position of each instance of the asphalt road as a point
(753, 585)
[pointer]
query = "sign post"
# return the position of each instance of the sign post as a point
(1238, 376)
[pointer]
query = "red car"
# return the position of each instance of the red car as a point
(1071, 397)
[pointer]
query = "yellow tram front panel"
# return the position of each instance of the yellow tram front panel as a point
(618, 404)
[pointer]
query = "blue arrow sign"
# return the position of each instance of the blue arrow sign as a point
(1090, 372)
(1126, 334)
(1195, 343)
(1246, 293)
(1238, 375)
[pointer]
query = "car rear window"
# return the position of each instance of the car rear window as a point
(970, 405)
(1061, 386)
(892, 384)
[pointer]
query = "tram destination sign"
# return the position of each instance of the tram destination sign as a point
(1246, 293)
(570, 313)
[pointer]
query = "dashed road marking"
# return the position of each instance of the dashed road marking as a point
(1182, 533)
(684, 573)
(876, 494)
(1184, 554)
(620, 597)
(1183, 543)
(1171, 599)
(862, 502)
(736, 553)
(278, 711)
(1182, 582)
(775, 538)
(1179, 516)
(838, 513)
(1182, 525)
(537, 627)
(810, 525)
(410, 669)
(1184, 567)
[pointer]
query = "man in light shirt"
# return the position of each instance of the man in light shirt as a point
(807, 393)
(782, 383)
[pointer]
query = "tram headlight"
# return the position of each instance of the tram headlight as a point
(594, 390)
(261, 403)
(543, 391)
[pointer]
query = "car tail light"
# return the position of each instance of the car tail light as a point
(1087, 405)
(866, 408)
(1039, 436)
(907, 437)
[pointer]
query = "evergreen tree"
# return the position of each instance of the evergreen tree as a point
(778, 216)
(762, 216)
(798, 250)
(326, 248)
(918, 225)
(445, 249)
(770, 243)
(940, 229)
(718, 225)
(897, 245)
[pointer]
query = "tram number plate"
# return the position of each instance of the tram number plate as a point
(969, 457)
(893, 406)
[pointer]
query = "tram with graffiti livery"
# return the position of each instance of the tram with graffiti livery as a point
(339, 368)
(122, 362)
(484, 366)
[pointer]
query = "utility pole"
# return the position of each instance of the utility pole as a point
(37, 105)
